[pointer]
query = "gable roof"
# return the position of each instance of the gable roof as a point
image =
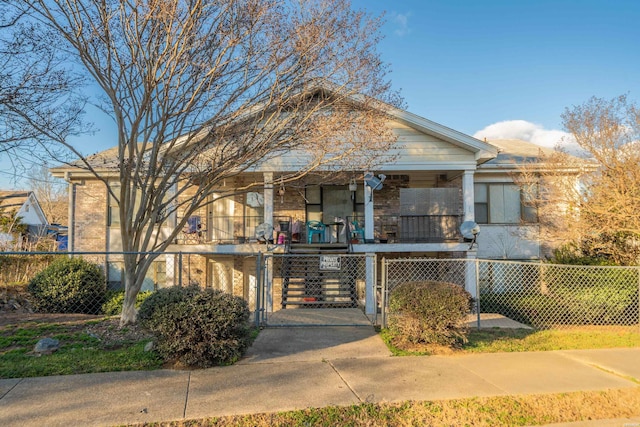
(106, 161)
(512, 151)
(13, 200)
(20, 202)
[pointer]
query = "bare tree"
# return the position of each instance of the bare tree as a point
(36, 86)
(51, 194)
(598, 196)
(202, 90)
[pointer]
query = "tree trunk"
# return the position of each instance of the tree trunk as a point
(129, 314)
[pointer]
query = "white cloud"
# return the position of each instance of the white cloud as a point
(401, 22)
(527, 131)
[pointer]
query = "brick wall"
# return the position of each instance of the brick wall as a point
(90, 224)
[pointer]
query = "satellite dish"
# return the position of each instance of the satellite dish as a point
(469, 231)
(375, 182)
(264, 232)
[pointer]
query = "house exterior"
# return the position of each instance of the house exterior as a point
(24, 205)
(412, 206)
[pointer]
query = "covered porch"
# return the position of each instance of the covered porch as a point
(405, 208)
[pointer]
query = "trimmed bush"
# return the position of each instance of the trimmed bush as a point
(113, 303)
(429, 312)
(197, 327)
(69, 285)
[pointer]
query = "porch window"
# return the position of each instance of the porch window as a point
(325, 203)
(502, 203)
(313, 194)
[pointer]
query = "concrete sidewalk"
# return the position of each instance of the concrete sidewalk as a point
(295, 368)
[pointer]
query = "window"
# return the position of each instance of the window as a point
(313, 194)
(113, 213)
(155, 278)
(113, 207)
(502, 204)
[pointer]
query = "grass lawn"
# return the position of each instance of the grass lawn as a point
(509, 340)
(85, 346)
(487, 411)
(99, 346)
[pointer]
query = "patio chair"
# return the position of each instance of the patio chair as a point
(357, 232)
(313, 228)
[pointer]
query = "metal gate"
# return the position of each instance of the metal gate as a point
(311, 290)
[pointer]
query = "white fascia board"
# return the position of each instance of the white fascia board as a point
(77, 174)
(404, 167)
(427, 166)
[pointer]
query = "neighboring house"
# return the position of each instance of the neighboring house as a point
(412, 207)
(23, 205)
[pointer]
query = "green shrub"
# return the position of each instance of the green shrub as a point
(197, 327)
(531, 308)
(590, 305)
(69, 285)
(429, 312)
(114, 300)
(569, 254)
(594, 295)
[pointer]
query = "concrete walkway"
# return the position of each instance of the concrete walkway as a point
(295, 368)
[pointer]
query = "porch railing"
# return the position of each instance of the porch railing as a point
(228, 229)
(386, 229)
(412, 228)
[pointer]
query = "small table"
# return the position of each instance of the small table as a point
(339, 226)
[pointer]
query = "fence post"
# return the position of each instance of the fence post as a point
(477, 266)
(258, 289)
(370, 284)
(180, 269)
(383, 294)
(383, 286)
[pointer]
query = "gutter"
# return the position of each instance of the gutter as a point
(72, 213)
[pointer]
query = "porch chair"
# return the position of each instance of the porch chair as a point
(357, 232)
(315, 227)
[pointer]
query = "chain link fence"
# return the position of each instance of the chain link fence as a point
(537, 295)
(18, 269)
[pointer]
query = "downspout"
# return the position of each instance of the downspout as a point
(71, 213)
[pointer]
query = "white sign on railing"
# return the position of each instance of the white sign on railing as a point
(330, 262)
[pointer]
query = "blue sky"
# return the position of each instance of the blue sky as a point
(514, 65)
(468, 64)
